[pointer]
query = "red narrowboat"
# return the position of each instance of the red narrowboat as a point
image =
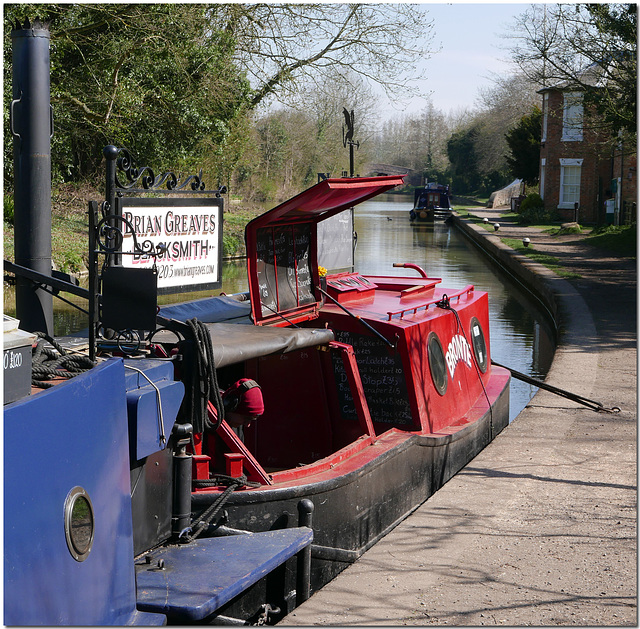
(377, 390)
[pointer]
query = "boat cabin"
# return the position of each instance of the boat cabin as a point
(340, 359)
(432, 201)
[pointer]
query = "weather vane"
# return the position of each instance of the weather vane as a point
(347, 137)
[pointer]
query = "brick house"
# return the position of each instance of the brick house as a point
(580, 165)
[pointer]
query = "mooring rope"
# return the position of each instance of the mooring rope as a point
(201, 381)
(47, 363)
(207, 516)
(592, 404)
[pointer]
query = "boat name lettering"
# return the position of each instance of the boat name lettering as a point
(458, 350)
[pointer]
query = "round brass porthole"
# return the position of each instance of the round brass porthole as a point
(79, 523)
(437, 364)
(479, 344)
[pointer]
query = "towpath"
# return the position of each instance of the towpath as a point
(540, 528)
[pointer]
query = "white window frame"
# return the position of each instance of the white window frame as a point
(545, 116)
(572, 163)
(572, 117)
(543, 165)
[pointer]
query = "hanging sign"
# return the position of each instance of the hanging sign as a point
(186, 233)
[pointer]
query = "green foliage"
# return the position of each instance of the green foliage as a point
(492, 181)
(465, 177)
(531, 201)
(8, 209)
(571, 229)
(617, 25)
(231, 245)
(551, 262)
(524, 146)
(532, 211)
(157, 79)
(619, 239)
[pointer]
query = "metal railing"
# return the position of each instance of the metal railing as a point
(414, 309)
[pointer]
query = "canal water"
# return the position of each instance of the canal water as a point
(521, 335)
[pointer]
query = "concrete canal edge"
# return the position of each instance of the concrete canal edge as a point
(573, 319)
(540, 528)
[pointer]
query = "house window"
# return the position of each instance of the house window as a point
(543, 164)
(570, 172)
(572, 117)
(545, 116)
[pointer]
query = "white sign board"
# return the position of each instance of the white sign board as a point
(189, 232)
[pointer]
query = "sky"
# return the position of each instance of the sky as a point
(472, 42)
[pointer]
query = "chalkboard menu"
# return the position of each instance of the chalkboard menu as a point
(335, 241)
(283, 267)
(382, 377)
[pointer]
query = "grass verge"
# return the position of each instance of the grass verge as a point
(545, 259)
(619, 240)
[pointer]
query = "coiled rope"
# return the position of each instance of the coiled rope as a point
(47, 363)
(201, 382)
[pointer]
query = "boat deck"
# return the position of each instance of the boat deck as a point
(405, 301)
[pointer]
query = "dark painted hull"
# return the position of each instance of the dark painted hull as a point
(354, 510)
(424, 215)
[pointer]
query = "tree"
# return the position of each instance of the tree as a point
(156, 78)
(591, 48)
(501, 106)
(283, 45)
(524, 145)
(176, 83)
(464, 162)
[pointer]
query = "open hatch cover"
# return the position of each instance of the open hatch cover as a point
(282, 247)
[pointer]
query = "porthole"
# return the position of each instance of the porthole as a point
(79, 523)
(437, 364)
(479, 344)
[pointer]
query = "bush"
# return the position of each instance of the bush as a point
(532, 211)
(532, 201)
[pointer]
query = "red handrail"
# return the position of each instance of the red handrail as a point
(465, 291)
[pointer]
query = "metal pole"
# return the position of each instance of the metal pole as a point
(111, 153)
(351, 160)
(32, 128)
(303, 572)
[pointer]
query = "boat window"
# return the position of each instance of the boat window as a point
(79, 523)
(479, 344)
(437, 363)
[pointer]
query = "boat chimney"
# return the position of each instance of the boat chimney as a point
(32, 129)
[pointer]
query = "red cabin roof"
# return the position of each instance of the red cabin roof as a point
(282, 247)
(325, 199)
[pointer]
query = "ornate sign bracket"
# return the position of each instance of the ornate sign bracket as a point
(142, 243)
